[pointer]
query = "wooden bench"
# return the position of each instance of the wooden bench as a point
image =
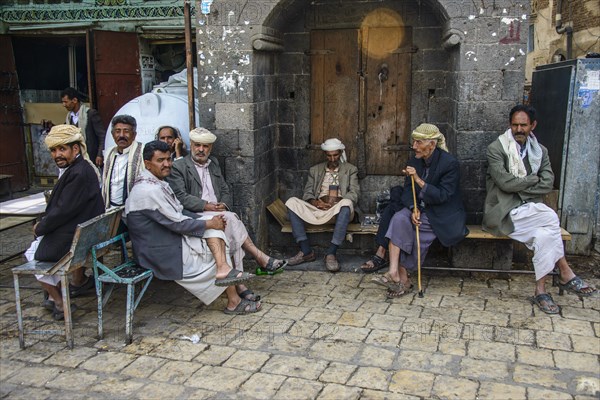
(279, 211)
(87, 234)
(127, 273)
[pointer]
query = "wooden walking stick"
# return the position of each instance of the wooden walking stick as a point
(414, 192)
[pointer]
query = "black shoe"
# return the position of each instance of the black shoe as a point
(76, 291)
(59, 315)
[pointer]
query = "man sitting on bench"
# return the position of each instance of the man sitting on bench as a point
(439, 211)
(192, 252)
(518, 176)
(331, 191)
(75, 199)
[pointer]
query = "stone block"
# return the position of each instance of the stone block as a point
(480, 86)
(440, 110)
(264, 139)
(494, 390)
(500, 57)
(219, 379)
(296, 41)
(370, 378)
(295, 388)
(412, 382)
(435, 60)
(262, 386)
(294, 63)
(485, 254)
(302, 367)
(286, 111)
(512, 85)
(286, 135)
(206, 114)
(262, 116)
(427, 37)
(240, 170)
(472, 174)
(473, 145)
(234, 116)
(263, 63)
(473, 199)
(447, 387)
(531, 375)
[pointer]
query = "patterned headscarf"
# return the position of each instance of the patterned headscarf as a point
(430, 132)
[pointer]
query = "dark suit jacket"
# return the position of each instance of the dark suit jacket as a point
(443, 200)
(186, 185)
(75, 199)
(95, 135)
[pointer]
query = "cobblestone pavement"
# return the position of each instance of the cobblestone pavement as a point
(319, 335)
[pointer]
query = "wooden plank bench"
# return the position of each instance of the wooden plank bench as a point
(476, 232)
(279, 211)
(87, 234)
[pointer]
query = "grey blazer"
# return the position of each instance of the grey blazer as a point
(505, 191)
(348, 176)
(185, 182)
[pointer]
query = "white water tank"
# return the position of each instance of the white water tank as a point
(167, 104)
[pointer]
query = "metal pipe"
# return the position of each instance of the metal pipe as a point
(567, 28)
(189, 64)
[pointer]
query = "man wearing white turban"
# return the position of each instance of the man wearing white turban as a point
(199, 185)
(330, 194)
(75, 199)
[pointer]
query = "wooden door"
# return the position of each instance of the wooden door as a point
(387, 67)
(360, 92)
(12, 151)
(335, 67)
(115, 75)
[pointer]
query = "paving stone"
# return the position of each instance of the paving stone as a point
(351, 280)
(285, 311)
(491, 350)
(219, 379)
(286, 343)
(417, 325)
(479, 332)
(586, 344)
(175, 372)
(369, 394)
(264, 330)
(344, 304)
(143, 366)
(287, 299)
(296, 388)
(515, 306)
(493, 390)
(334, 351)
(370, 378)
(447, 387)
(9, 367)
(351, 318)
(588, 385)
(419, 341)
(300, 367)
(584, 314)
(577, 361)
(371, 293)
(412, 382)
(484, 318)
(534, 393)
(532, 375)
(72, 358)
(108, 362)
(452, 346)
(514, 336)
(337, 373)
(37, 353)
(178, 349)
(538, 323)
(322, 316)
(346, 333)
(75, 380)
(483, 369)
(25, 392)
(345, 292)
(304, 328)
(261, 386)
(35, 375)
(463, 303)
(334, 392)
(596, 328)
(553, 340)
(160, 390)
(405, 310)
(534, 356)
(441, 315)
(573, 327)
(384, 338)
(428, 362)
(387, 322)
(326, 332)
(374, 307)
(214, 355)
(314, 291)
(247, 360)
(117, 387)
(377, 357)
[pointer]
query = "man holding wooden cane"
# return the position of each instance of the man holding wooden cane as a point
(438, 211)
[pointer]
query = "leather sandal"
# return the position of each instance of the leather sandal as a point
(374, 264)
(576, 286)
(244, 307)
(545, 303)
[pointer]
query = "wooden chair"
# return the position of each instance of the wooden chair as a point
(126, 273)
(87, 234)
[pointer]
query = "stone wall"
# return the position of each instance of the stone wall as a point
(259, 102)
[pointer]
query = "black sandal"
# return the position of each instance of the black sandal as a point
(377, 262)
(249, 295)
(545, 303)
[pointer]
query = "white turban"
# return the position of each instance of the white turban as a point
(202, 135)
(333, 145)
(430, 132)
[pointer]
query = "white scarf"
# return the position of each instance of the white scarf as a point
(151, 193)
(135, 164)
(515, 163)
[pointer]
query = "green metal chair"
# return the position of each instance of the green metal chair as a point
(127, 273)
